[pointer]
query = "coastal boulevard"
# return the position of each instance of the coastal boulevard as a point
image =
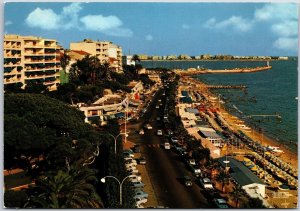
(164, 167)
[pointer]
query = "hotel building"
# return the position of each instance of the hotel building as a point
(104, 50)
(31, 60)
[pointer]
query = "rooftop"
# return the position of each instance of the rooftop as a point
(240, 172)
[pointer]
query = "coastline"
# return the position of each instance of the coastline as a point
(288, 155)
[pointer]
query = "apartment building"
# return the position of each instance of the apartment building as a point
(31, 60)
(105, 51)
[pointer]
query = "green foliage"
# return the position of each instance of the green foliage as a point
(15, 199)
(66, 189)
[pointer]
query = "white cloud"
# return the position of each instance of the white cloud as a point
(43, 18)
(286, 28)
(8, 23)
(286, 44)
(276, 11)
(70, 15)
(234, 22)
(185, 26)
(149, 37)
(100, 23)
(69, 18)
(110, 25)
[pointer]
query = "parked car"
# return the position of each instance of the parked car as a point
(139, 201)
(158, 118)
(141, 161)
(132, 171)
(206, 183)
(128, 167)
(128, 155)
(137, 184)
(140, 194)
(159, 132)
(187, 181)
(196, 170)
(129, 160)
(167, 145)
(136, 178)
(157, 106)
(141, 132)
(192, 161)
(220, 203)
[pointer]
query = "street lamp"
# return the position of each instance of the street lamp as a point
(120, 183)
(115, 139)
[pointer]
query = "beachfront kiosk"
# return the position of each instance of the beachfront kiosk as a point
(253, 186)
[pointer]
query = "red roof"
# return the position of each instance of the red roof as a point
(111, 59)
(81, 52)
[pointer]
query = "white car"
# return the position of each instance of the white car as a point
(157, 106)
(131, 165)
(206, 183)
(139, 201)
(141, 132)
(192, 162)
(159, 132)
(148, 126)
(135, 179)
(167, 145)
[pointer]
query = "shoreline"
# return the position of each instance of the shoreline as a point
(288, 155)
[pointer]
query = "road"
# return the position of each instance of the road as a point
(166, 169)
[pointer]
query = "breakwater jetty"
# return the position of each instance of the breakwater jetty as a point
(195, 71)
(226, 86)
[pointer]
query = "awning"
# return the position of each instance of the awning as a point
(109, 109)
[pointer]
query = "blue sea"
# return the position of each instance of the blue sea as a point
(269, 92)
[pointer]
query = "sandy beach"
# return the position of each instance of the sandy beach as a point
(287, 156)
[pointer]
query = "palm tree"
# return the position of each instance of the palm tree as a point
(223, 178)
(237, 194)
(66, 189)
(135, 58)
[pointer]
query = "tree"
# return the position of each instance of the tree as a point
(254, 203)
(135, 58)
(223, 178)
(35, 127)
(15, 199)
(64, 60)
(237, 194)
(66, 189)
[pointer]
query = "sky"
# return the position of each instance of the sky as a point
(195, 28)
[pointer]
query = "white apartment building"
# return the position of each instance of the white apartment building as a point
(31, 59)
(105, 51)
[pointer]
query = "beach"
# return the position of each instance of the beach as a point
(287, 156)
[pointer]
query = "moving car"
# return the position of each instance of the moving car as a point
(220, 203)
(141, 132)
(187, 181)
(148, 126)
(159, 132)
(167, 145)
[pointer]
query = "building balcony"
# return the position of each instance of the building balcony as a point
(39, 77)
(12, 64)
(12, 80)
